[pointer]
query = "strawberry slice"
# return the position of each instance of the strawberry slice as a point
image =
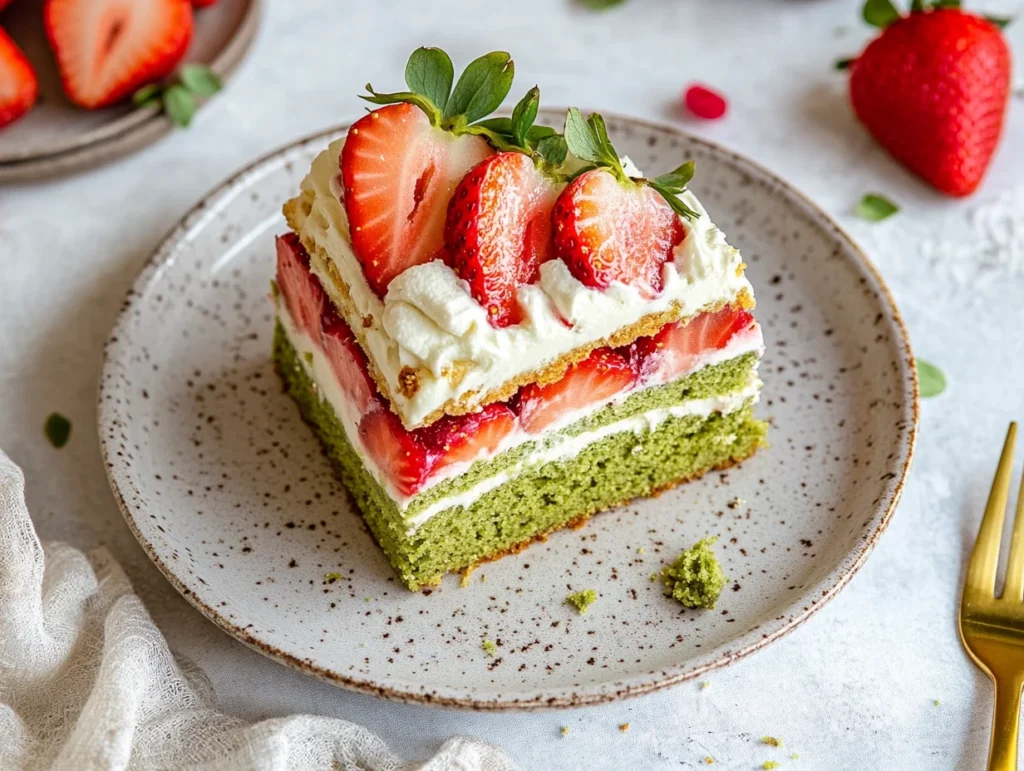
(498, 231)
(19, 86)
(463, 438)
(303, 295)
(398, 453)
(676, 348)
(347, 360)
(107, 49)
(399, 172)
(607, 230)
(595, 379)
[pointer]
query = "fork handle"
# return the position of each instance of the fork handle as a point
(1002, 754)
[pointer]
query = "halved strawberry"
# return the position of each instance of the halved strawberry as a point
(610, 230)
(498, 231)
(398, 453)
(595, 379)
(677, 346)
(463, 438)
(19, 86)
(399, 171)
(107, 49)
(347, 359)
(303, 295)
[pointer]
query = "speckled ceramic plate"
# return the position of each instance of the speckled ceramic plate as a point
(228, 492)
(57, 137)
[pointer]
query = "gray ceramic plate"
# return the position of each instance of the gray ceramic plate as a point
(57, 137)
(228, 492)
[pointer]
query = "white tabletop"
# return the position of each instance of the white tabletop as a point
(855, 687)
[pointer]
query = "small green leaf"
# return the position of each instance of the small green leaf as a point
(1000, 21)
(553, 149)
(481, 87)
(537, 133)
(880, 13)
(200, 80)
(930, 379)
(524, 114)
(147, 95)
(916, 6)
(406, 97)
(874, 207)
(430, 73)
(497, 125)
(581, 139)
(844, 64)
(672, 200)
(945, 3)
(601, 132)
(678, 179)
(57, 429)
(179, 105)
(601, 5)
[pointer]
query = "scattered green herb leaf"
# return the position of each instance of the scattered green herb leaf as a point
(875, 207)
(930, 379)
(57, 429)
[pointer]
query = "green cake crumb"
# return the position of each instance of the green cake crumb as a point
(489, 647)
(768, 765)
(695, 578)
(641, 550)
(582, 600)
(565, 730)
(794, 756)
(704, 685)
(332, 577)
(771, 741)
(936, 702)
(655, 577)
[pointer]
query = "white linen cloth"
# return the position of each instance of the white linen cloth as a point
(87, 680)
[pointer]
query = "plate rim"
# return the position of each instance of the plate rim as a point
(813, 598)
(134, 130)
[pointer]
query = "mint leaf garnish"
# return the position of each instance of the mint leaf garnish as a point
(524, 114)
(179, 105)
(430, 73)
(880, 13)
(874, 207)
(200, 80)
(147, 95)
(930, 379)
(481, 87)
(57, 429)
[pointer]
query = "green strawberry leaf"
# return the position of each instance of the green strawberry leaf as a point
(57, 429)
(916, 6)
(406, 97)
(601, 5)
(880, 13)
(553, 149)
(844, 64)
(677, 180)
(481, 88)
(147, 95)
(537, 133)
(524, 114)
(672, 200)
(179, 105)
(875, 208)
(930, 379)
(501, 126)
(596, 123)
(945, 3)
(580, 138)
(430, 73)
(200, 80)
(1000, 21)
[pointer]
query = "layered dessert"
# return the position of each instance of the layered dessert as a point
(497, 330)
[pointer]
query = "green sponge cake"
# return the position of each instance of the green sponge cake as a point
(497, 330)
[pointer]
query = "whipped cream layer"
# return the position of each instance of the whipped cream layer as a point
(430, 323)
(322, 374)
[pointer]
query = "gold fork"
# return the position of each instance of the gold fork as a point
(992, 628)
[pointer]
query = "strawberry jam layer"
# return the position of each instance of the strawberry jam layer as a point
(410, 462)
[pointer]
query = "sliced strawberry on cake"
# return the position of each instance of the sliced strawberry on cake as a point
(301, 289)
(347, 360)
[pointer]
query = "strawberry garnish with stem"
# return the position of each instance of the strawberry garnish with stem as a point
(677, 347)
(609, 227)
(107, 49)
(596, 379)
(932, 88)
(19, 86)
(180, 97)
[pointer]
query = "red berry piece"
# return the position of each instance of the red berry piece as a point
(704, 103)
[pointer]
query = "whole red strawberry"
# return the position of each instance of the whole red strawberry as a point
(933, 90)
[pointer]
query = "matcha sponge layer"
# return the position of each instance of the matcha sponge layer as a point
(545, 497)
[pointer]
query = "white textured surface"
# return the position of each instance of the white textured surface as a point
(854, 688)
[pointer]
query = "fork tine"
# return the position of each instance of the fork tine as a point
(1015, 565)
(981, 570)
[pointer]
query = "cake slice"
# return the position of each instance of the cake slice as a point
(497, 330)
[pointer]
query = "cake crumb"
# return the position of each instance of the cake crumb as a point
(695, 578)
(705, 685)
(483, 577)
(794, 756)
(582, 600)
(330, 578)
(641, 550)
(771, 741)
(709, 761)
(736, 502)
(489, 647)
(768, 765)
(624, 727)
(936, 702)
(308, 356)
(464, 582)
(565, 730)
